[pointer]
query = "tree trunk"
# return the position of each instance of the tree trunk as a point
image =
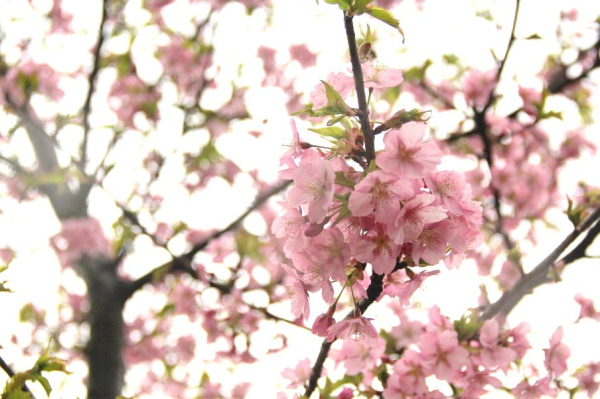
(104, 350)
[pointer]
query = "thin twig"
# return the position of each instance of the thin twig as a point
(359, 84)
(179, 263)
(92, 85)
(8, 370)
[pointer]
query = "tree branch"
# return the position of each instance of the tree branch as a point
(359, 84)
(182, 263)
(561, 81)
(539, 275)
(92, 85)
(8, 370)
(373, 292)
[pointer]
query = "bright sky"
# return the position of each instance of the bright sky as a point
(444, 27)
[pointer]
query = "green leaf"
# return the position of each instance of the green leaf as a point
(359, 6)
(467, 326)
(335, 120)
(343, 180)
(417, 73)
(248, 245)
(343, 4)
(4, 288)
(385, 16)
(533, 37)
(334, 131)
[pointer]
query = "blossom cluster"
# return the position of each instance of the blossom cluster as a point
(400, 209)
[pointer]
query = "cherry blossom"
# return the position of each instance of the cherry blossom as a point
(380, 192)
(299, 374)
(557, 354)
(360, 355)
(313, 187)
(356, 328)
(377, 76)
(442, 353)
(341, 82)
(406, 155)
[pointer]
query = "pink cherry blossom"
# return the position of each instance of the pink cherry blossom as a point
(407, 333)
(313, 187)
(298, 294)
(408, 377)
(129, 95)
(295, 148)
(406, 155)
(442, 354)
(478, 86)
(298, 375)
(356, 328)
(557, 354)
(431, 244)
(531, 97)
(475, 380)
(359, 356)
(322, 324)
(291, 225)
(516, 339)
(346, 393)
(406, 288)
(493, 355)
(379, 192)
(454, 193)
(413, 217)
(541, 387)
(330, 249)
(376, 248)
(377, 76)
(341, 82)
(587, 308)
(587, 378)
(303, 55)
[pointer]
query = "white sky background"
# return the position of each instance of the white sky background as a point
(444, 27)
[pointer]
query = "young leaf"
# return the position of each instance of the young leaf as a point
(385, 16)
(334, 131)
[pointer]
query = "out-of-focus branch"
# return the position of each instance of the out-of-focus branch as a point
(359, 84)
(540, 274)
(482, 128)
(92, 86)
(65, 203)
(8, 370)
(560, 81)
(182, 263)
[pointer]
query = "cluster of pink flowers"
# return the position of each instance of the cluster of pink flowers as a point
(22, 80)
(183, 66)
(78, 238)
(337, 218)
(130, 95)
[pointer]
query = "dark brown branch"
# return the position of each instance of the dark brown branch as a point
(560, 81)
(462, 135)
(359, 84)
(539, 274)
(92, 85)
(8, 370)
(482, 128)
(182, 263)
(373, 292)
